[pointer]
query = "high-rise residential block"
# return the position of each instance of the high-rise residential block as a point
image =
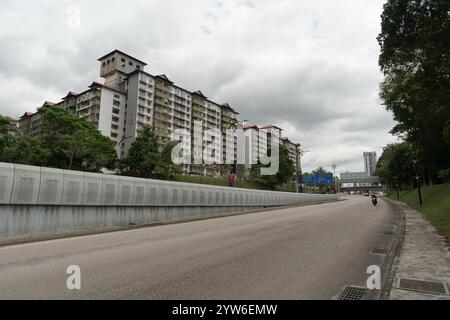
(294, 153)
(131, 98)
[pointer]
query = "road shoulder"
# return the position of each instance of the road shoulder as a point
(421, 269)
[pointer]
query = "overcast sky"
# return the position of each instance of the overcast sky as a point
(308, 66)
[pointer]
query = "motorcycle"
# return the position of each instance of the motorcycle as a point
(374, 200)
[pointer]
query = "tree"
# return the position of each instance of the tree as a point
(146, 159)
(445, 175)
(285, 172)
(64, 141)
(320, 171)
(74, 143)
(26, 150)
(143, 156)
(165, 167)
(396, 165)
(415, 60)
(16, 148)
(7, 136)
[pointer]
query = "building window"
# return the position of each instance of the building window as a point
(138, 67)
(130, 63)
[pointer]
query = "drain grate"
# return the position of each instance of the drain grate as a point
(352, 293)
(379, 251)
(422, 286)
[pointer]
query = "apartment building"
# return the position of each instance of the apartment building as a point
(294, 152)
(69, 102)
(252, 144)
(131, 98)
(229, 122)
(258, 142)
(103, 106)
(272, 133)
(30, 123)
(171, 110)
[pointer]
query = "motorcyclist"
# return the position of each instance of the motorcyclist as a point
(374, 199)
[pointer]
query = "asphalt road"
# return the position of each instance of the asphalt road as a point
(308, 252)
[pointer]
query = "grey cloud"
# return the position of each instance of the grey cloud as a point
(310, 66)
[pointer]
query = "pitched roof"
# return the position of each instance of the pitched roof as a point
(70, 94)
(289, 141)
(164, 77)
(48, 104)
(199, 93)
(122, 53)
(97, 84)
(250, 126)
(270, 126)
(227, 106)
(26, 114)
(10, 118)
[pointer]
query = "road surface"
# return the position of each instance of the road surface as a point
(307, 252)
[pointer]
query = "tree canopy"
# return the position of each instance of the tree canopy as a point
(396, 165)
(284, 175)
(146, 159)
(415, 60)
(65, 141)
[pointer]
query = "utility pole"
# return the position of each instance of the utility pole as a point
(336, 183)
(419, 192)
(300, 154)
(406, 105)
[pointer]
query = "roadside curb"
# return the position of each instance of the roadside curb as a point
(386, 267)
(394, 251)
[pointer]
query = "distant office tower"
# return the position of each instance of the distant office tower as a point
(370, 162)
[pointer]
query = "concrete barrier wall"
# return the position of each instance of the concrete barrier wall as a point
(37, 200)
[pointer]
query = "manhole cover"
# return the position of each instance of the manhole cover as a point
(422, 286)
(352, 293)
(379, 251)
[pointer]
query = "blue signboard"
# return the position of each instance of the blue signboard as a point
(319, 179)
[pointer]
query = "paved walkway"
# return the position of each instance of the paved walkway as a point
(423, 256)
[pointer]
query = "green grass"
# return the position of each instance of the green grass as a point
(436, 205)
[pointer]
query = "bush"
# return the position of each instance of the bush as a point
(444, 175)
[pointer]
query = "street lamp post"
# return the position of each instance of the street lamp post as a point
(404, 105)
(300, 154)
(233, 124)
(419, 192)
(336, 183)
